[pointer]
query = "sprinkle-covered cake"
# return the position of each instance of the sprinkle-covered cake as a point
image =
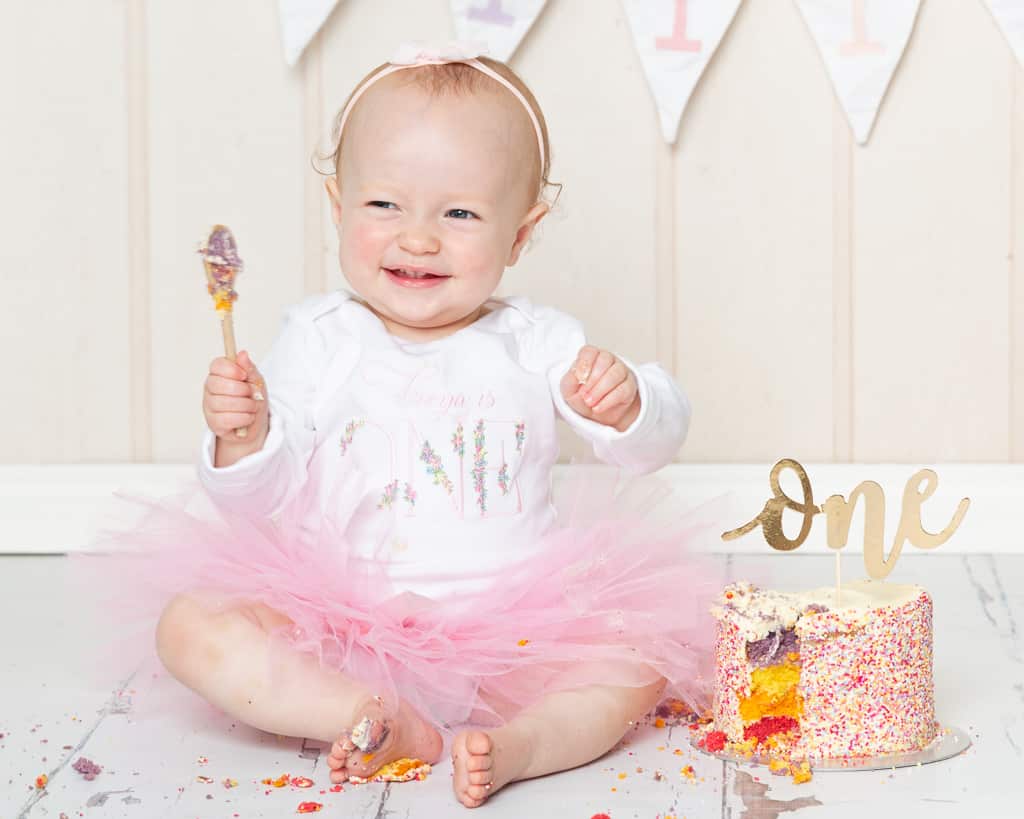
(809, 676)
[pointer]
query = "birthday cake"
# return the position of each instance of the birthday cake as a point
(820, 676)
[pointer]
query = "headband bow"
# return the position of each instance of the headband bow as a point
(454, 51)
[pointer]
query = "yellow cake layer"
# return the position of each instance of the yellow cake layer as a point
(773, 693)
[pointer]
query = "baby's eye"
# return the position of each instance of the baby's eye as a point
(377, 203)
(460, 213)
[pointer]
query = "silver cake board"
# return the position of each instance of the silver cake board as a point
(950, 742)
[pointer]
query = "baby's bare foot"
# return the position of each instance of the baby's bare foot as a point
(473, 764)
(377, 739)
(484, 764)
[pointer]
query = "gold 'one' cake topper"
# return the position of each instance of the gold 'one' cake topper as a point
(839, 514)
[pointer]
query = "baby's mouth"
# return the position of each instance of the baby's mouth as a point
(405, 273)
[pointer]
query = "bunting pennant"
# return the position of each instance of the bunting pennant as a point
(501, 24)
(1009, 16)
(300, 21)
(861, 43)
(675, 40)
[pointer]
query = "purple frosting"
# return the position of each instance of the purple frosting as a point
(87, 768)
(773, 648)
(221, 247)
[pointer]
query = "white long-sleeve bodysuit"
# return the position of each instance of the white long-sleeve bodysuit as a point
(435, 454)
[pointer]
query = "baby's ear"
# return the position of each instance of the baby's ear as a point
(530, 221)
(331, 185)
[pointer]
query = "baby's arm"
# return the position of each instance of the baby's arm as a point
(639, 417)
(260, 473)
(639, 431)
(234, 398)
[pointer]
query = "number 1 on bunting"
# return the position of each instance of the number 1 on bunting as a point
(678, 41)
(860, 45)
(492, 13)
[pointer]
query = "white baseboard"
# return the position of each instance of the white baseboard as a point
(53, 509)
(58, 507)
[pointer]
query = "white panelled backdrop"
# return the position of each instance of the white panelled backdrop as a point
(817, 299)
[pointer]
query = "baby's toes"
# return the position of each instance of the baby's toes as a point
(481, 762)
(478, 743)
(479, 777)
(362, 764)
(337, 757)
(476, 794)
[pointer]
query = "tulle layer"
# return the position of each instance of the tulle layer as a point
(616, 597)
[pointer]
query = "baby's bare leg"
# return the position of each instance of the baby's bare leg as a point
(224, 656)
(562, 731)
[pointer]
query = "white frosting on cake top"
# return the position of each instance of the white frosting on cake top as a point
(758, 612)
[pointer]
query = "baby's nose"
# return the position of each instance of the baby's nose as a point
(419, 240)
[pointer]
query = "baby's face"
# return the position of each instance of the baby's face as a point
(436, 198)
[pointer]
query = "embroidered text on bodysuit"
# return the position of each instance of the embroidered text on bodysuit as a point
(425, 389)
(434, 468)
(496, 458)
(350, 431)
(388, 498)
(480, 465)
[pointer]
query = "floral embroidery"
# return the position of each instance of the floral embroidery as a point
(388, 497)
(503, 480)
(434, 468)
(479, 466)
(458, 445)
(409, 494)
(350, 430)
(520, 435)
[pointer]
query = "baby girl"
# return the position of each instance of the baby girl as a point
(390, 573)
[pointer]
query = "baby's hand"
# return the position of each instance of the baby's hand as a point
(600, 387)
(234, 397)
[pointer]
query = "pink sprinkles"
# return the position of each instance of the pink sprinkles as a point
(867, 686)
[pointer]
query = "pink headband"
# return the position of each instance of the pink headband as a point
(411, 55)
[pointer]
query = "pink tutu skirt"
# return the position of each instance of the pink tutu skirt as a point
(617, 598)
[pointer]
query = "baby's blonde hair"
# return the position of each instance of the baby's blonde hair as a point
(457, 78)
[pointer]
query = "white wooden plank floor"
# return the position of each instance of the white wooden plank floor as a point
(148, 732)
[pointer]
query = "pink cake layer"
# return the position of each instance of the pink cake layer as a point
(865, 679)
